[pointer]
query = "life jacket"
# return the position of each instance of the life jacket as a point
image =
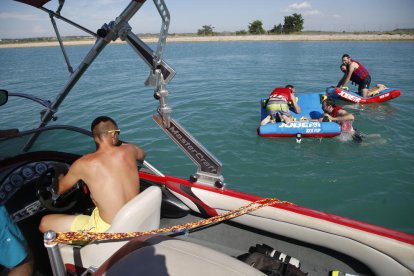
(335, 111)
(346, 126)
(354, 79)
(282, 93)
(360, 73)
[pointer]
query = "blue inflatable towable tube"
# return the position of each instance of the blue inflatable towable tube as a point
(310, 105)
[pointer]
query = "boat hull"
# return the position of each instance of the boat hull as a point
(321, 241)
(383, 251)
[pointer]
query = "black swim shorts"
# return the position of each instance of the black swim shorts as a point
(364, 84)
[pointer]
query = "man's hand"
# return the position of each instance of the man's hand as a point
(54, 187)
(327, 118)
(295, 103)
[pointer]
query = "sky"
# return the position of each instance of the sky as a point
(18, 20)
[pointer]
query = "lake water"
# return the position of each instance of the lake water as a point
(215, 96)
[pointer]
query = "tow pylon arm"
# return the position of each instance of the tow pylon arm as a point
(150, 58)
(209, 167)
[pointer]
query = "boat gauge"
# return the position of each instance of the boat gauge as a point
(16, 180)
(8, 188)
(27, 172)
(40, 168)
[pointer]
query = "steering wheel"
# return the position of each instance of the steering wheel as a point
(46, 190)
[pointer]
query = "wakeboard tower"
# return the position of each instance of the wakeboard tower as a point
(208, 166)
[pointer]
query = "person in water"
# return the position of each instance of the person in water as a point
(378, 88)
(111, 175)
(278, 103)
(356, 73)
(335, 113)
(13, 254)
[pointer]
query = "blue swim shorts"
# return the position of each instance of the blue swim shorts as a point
(12, 242)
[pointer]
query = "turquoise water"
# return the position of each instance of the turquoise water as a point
(215, 95)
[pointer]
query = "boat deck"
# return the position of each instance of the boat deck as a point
(234, 239)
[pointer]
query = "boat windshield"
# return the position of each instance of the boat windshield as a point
(53, 138)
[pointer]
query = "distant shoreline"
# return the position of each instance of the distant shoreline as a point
(178, 38)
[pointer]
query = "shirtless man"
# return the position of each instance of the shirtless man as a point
(111, 175)
(357, 73)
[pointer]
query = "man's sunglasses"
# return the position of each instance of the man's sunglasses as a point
(117, 131)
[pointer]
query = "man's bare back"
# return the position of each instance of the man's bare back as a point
(111, 176)
(110, 173)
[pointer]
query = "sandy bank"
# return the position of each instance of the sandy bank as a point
(297, 37)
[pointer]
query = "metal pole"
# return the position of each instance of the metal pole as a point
(56, 262)
(93, 53)
(57, 15)
(70, 69)
(165, 16)
(112, 34)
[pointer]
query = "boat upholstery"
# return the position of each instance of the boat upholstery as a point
(161, 255)
(142, 213)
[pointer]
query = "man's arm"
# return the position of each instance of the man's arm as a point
(342, 116)
(347, 78)
(294, 103)
(70, 179)
(139, 153)
(341, 80)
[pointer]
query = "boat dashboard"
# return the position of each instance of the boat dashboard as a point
(19, 177)
(19, 186)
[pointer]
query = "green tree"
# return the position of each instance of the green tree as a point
(276, 29)
(256, 27)
(206, 30)
(293, 23)
(241, 32)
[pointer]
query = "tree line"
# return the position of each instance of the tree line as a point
(292, 24)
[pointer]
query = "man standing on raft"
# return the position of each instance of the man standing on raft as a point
(357, 73)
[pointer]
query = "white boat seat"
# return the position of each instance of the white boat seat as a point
(160, 255)
(142, 213)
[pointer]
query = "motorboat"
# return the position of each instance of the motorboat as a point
(175, 226)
